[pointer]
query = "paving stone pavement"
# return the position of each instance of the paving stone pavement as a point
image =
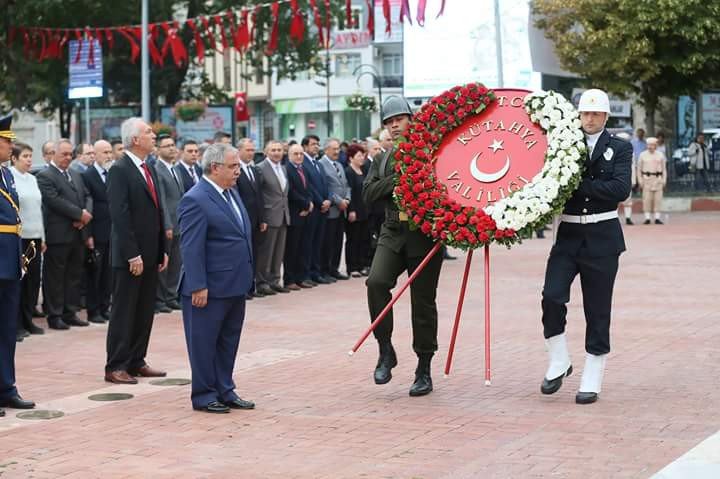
(319, 415)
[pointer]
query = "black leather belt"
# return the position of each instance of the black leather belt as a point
(658, 173)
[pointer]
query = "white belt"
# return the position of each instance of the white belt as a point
(585, 219)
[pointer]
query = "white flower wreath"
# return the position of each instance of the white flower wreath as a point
(533, 206)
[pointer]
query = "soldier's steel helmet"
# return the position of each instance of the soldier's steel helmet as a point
(594, 100)
(393, 106)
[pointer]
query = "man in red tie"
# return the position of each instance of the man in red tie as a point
(138, 249)
(301, 205)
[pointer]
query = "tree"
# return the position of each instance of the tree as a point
(649, 48)
(42, 86)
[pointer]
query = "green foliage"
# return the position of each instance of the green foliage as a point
(651, 48)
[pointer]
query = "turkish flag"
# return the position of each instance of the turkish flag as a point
(241, 110)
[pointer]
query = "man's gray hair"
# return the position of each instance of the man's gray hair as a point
(130, 128)
(371, 141)
(330, 140)
(215, 155)
(242, 141)
(61, 141)
(384, 135)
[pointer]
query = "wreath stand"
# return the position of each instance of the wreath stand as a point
(458, 311)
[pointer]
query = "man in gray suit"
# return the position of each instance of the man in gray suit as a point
(276, 217)
(339, 191)
(171, 191)
(67, 206)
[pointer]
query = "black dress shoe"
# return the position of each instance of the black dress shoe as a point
(215, 407)
(258, 294)
(585, 398)
(162, 309)
(265, 290)
(329, 279)
(365, 272)
(37, 313)
(75, 321)
(249, 297)
(174, 305)
(306, 284)
(2, 412)
(423, 382)
(321, 280)
(16, 402)
(239, 404)
(339, 275)
(20, 337)
(33, 328)
(57, 324)
(646, 222)
(106, 315)
(279, 289)
(628, 221)
(551, 386)
(386, 361)
(97, 319)
(658, 222)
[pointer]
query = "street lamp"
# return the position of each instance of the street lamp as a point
(376, 76)
(327, 74)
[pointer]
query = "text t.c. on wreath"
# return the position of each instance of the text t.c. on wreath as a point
(478, 166)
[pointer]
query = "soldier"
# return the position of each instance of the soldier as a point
(10, 274)
(589, 242)
(399, 249)
(652, 177)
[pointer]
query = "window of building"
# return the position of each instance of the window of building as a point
(346, 63)
(227, 70)
(392, 64)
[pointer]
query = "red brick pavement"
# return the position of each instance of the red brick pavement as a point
(320, 416)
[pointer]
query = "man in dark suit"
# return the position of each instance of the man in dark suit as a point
(67, 210)
(301, 205)
(98, 241)
(249, 185)
(138, 254)
(10, 274)
(187, 170)
(216, 247)
(339, 192)
(315, 228)
(589, 242)
(276, 217)
(171, 190)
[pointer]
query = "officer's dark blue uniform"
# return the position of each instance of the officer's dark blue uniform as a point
(10, 273)
(589, 242)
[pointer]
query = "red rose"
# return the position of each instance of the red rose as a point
(483, 237)
(448, 217)
(433, 124)
(429, 204)
(461, 101)
(424, 196)
(408, 196)
(472, 238)
(426, 136)
(443, 235)
(451, 107)
(456, 207)
(426, 227)
(482, 90)
(417, 188)
(407, 160)
(509, 233)
(498, 234)
(461, 219)
(453, 227)
(427, 184)
(473, 220)
(443, 130)
(441, 116)
(421, 154)
(398, 166)
(420, 126)
(486, 100)
(439, 212)
(416, 219)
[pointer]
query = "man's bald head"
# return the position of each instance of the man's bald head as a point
(103, 152)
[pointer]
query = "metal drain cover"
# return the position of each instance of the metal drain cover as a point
(170, 382)
(110, 397)
(39, 414)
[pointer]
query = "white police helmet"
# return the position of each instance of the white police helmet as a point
(594, 100)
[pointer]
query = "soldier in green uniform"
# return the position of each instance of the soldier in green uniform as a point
(400, 249)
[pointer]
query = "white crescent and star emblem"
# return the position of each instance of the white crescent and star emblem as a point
(485, 177)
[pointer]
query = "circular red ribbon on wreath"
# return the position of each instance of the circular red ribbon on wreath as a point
(465, 149)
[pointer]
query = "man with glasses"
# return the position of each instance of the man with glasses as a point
(171, 190)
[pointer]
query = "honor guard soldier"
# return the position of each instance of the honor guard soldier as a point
(400, 249)
(10, 274)
(589, 242)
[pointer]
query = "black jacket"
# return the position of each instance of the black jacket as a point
(299, 194)
(251, 195)
(605, 183)
(99, 227)
(62, 204)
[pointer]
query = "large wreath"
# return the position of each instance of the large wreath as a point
(419, 193)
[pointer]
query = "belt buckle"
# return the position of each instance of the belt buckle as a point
(19, 229)
(402, 216)
(583, 219)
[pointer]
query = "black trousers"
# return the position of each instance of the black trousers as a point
(30, 287)
(168, 280)
(332, 245)
(131, 318)
(100, 282)
(312, 244)
(375, 221)
(293, 264)
(10, 301)
(386, 267)
(597, 278)
(357, 245)
(63, 266)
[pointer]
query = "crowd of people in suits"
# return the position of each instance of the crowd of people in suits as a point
(304, 202)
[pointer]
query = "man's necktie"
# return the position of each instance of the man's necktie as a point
(193, 176)
(280, 175)
(67, 176)
(150, 184)
(104, 176)
(231, 204)
(302, 175)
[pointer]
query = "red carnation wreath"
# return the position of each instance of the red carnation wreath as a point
(420, 194)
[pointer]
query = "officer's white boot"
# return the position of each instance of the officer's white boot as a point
(592, 377)
(559, 366)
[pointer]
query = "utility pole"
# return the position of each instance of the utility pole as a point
(145, 65)
(498, 45)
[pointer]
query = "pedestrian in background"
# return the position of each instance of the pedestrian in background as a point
(652, 177)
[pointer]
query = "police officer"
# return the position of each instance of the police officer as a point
(589, 243)
(400, 249)
(10, 274)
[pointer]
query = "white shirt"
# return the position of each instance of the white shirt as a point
(101, 171)
(169, 167)
(30, 205)
(278, 169)
(591, 140)
(248, 171)
(191, 171)
(137, 162)
(52, 162)
(232, 200)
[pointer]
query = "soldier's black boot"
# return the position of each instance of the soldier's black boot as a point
(386, 362)
(423, 381)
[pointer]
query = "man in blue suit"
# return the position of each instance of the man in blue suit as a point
(216, 249)
(10, 274)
